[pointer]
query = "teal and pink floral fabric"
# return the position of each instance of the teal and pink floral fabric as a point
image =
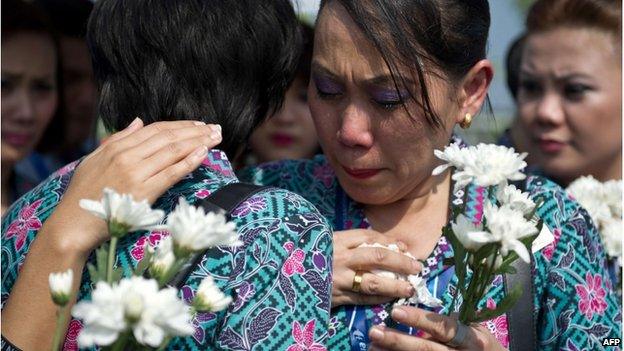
(574, 304)
(280, 278)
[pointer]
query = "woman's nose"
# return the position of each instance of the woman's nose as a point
(20, 106)
(550, 109)
(355, 128)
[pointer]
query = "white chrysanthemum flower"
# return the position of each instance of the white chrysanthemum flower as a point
(515, 199)
(210, 298)
(484, 164)
(471, 236)
(453, 155)
(194, 230)
(507, 226)
(163, 313)
(134, 303)
(60, 286)
(123, 213)
(613, 197)
(103, 317)
(163, 258)
(590, 193)
(611, 234)
(495, 164)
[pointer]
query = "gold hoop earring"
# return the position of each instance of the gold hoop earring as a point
(465, 124)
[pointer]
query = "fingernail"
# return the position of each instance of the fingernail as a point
(199, 123)
(218, 126)
(134, 122)
(376, 334)
(200, 152)
(398, 314)
(409, 291)
(215, 135)
(401, 246)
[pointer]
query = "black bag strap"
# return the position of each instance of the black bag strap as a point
(225, 199)
(520, 318)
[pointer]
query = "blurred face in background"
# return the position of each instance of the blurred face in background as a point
(78, 91)
(570, 103)
(290, 133)
(29, 92)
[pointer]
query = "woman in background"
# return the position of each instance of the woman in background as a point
(30, 92)
(290, 133)
(569, 95)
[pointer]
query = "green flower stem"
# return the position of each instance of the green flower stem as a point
(60, 322)
(164, 344)
(173, 270)
(112, 250)
(120, 343)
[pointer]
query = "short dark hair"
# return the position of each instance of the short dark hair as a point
(21, 16)
(221, 61)
(447, 34)
(513, 62)
(69, 17)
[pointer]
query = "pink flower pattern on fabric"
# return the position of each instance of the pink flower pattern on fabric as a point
(304, 338)
(325, 174)
(497, 326)
(294, 263)
(138, 251)
(27, 221)
(549, 250)
(592, 296)
(202, 194)
(71, 340)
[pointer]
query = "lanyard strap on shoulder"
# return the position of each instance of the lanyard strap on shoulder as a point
(520, 318)
(226, 199)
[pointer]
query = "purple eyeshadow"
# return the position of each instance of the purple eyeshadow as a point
(327, 86)
(388, 95)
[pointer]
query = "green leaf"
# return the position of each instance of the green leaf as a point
(502, 307)
(98, 271)
(143, 264)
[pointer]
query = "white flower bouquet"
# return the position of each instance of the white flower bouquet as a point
(603, 202)
(488, 247)
(141, 311)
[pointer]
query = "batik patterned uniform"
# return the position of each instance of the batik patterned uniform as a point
(279, 278)
(573, 301)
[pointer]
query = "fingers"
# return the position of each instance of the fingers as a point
(386, 338)
(131, 128)
(372, 258)
(184, 142)
(439, 326)
(173, 141)
(163, 128)
(169, 176)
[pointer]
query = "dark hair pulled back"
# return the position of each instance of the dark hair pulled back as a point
(430, 36)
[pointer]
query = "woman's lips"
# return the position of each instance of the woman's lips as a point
(550, 146)
(282, 140)
(16, 139)
(361, 173)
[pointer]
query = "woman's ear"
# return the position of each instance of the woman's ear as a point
(474, 88)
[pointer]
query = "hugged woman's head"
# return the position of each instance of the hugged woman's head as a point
(390, 79)
(570, 96)
(227, 62)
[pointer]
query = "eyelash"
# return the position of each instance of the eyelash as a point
(388, 105)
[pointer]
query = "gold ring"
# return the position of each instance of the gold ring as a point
(357, 281)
